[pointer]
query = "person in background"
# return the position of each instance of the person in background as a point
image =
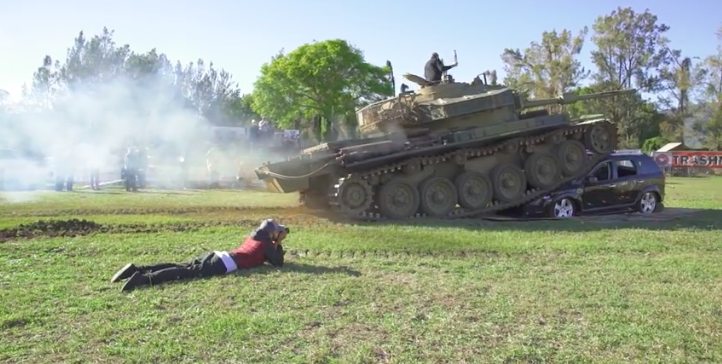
(58, 174)
(253, 133)
(95, 178)
(263, 245)
(93, 165)
(142, 167)
(265, 129)
(63, 171)
(130, 172)
(213, 161)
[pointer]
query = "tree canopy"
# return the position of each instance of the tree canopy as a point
(629, 50)
(322, 79)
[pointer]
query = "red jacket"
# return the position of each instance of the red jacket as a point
(256, 250)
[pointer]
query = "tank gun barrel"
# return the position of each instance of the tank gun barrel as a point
(570, 97)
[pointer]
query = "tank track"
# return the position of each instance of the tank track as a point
(496, 206)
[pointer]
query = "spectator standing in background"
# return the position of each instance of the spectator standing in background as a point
(213, 161)
(253, 133)
(265, 128)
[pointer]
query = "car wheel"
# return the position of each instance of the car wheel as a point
(648, 203)
(563, 208)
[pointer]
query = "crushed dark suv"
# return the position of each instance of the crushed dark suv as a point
(623, 182)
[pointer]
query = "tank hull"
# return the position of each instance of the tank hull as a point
(458, 174)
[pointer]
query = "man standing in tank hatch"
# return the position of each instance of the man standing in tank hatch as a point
(435, 68)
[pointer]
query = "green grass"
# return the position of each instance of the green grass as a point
(117, 199)
(436, 292)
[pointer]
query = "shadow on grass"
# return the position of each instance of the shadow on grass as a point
(669, 219)
(301, 268)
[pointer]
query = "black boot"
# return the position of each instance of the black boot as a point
(137, 279)
(124, 273)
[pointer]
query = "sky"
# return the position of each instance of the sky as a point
(240, 36)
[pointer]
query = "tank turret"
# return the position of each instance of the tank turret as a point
(448, 150)
(452, 105)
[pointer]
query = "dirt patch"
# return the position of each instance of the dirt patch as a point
(78, 227)
(72, 227)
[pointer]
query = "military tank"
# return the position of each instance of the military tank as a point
(449, 150)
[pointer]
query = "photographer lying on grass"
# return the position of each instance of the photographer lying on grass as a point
(263, 245)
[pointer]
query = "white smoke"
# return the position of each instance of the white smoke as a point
(86, 127)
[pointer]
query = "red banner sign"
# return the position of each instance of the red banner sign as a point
(696, 159)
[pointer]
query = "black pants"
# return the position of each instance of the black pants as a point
(208, 265)
(63, 182)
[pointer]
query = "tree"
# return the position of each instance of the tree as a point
(45, 84)
(94, 62)
(631, 49)
(644, 116)
(711, 100)
(549, 68)
(243, 109)
(212, 91)
(679, 80)
(321, 79)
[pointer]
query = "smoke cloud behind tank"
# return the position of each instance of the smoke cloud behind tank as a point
(92, 125)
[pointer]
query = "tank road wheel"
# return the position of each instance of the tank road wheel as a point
(355, 196)
(542, 170)
(438, 197)
(474, 189)
(600, 138)
(398, 199)
(572, 157)
(509, 182)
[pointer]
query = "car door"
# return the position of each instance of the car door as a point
(599, 188)
(629, 182)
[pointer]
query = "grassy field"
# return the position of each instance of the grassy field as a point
(607, 290)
